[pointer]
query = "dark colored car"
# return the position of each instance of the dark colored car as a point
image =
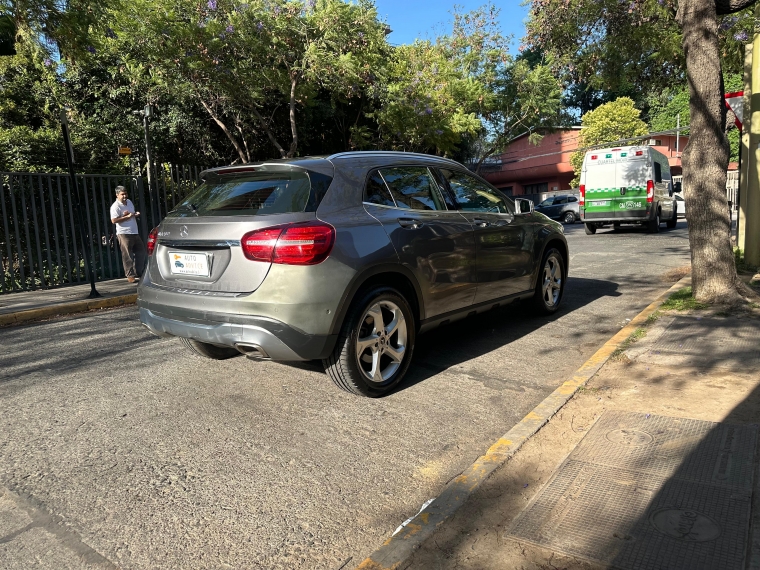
(561, 207)
(343, 259)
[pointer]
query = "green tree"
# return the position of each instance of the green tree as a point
(650, 44)
(236, 60)
(613, 121)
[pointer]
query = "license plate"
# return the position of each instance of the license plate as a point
(601, 203)
(189, 263)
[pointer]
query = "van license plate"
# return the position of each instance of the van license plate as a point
(189, 263)
(601, 202)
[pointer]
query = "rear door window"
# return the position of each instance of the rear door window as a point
(472, 195)
(257, 193)
(560, 200)
(376, 192)
(657, 172)
(413, 188)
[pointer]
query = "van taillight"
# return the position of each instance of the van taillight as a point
(152, 239)
(297, 244)
(650, 191)
(582, 201)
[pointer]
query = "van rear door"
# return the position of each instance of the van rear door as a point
(600, 182)
(616, 184)
(633, 171)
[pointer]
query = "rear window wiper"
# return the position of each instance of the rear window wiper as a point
(189, 206)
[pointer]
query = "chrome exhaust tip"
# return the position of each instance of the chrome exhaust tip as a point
(252, 351)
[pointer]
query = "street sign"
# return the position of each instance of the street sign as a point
(124, 151)
(735, 102)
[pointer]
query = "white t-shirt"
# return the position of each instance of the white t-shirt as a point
(117, 211)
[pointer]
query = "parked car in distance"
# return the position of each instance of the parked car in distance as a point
(344, 259)
(561, 207)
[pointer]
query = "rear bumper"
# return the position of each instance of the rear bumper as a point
(263, 337)
(621, 216)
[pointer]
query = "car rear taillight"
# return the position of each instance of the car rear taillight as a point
(582, 200)
(297, 244)
(152, 239)
(650, 191)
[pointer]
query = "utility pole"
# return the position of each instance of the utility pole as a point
(678, 134)
(77, 206)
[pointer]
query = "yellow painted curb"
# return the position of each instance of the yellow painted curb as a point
(396, 550)
(66, 309)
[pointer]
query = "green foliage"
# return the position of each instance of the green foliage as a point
(682, 301)
(610, 122)
(625, 47)
(238, 60)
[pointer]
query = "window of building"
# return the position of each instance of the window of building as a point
(536, 188)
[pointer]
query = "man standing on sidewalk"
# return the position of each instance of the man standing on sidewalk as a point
(132, 248)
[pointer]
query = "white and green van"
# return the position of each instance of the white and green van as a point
(627, 185)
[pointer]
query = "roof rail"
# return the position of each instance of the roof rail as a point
(388, 152)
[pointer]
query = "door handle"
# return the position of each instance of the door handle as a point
(410, 223)
(481, 223)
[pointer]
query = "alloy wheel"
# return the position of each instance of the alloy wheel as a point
(381, 342)
(552, 284)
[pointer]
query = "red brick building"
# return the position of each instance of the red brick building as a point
(536, 169)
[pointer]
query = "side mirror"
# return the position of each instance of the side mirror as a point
(677, 187)
(523, 206)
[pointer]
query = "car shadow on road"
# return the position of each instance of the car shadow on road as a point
(441, 349)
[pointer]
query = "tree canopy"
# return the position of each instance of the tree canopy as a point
(613, 121)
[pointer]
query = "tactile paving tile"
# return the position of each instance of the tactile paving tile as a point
(618, 500)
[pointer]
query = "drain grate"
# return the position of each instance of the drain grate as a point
(644, 493)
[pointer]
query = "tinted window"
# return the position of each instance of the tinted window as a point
(657, 172)
(377, 192)
(258, 192)
(413, 187)
(560, 200)
(472, 195)
(547, 202)
(572, 199)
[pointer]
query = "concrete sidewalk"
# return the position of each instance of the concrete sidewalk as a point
(17, 308)
(653, 463)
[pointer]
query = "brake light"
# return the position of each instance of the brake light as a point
(650, 191)
(582, 200)
(594, 157)
(152, 240)
(639, 153)
(297, 244)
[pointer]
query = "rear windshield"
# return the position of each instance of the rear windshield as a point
(256, 193)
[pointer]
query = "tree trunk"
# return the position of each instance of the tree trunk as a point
(218, 121)
(294, 132)
(270, 134)
(705, 158)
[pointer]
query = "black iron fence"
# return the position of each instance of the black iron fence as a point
(40, 245)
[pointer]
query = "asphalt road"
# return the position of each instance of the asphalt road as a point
(122, 450)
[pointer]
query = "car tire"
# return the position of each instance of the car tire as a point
(568, 218)
(550, 284)
(590, 229)
(654, 225)
(673, 221)
(209, 350)
(364, 362)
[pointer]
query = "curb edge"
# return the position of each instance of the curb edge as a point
(66, 309)
(397, 549)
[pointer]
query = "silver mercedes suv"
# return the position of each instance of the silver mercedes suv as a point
(343, 259)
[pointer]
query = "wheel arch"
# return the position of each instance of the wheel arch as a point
(396, 276)
(559, 243)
